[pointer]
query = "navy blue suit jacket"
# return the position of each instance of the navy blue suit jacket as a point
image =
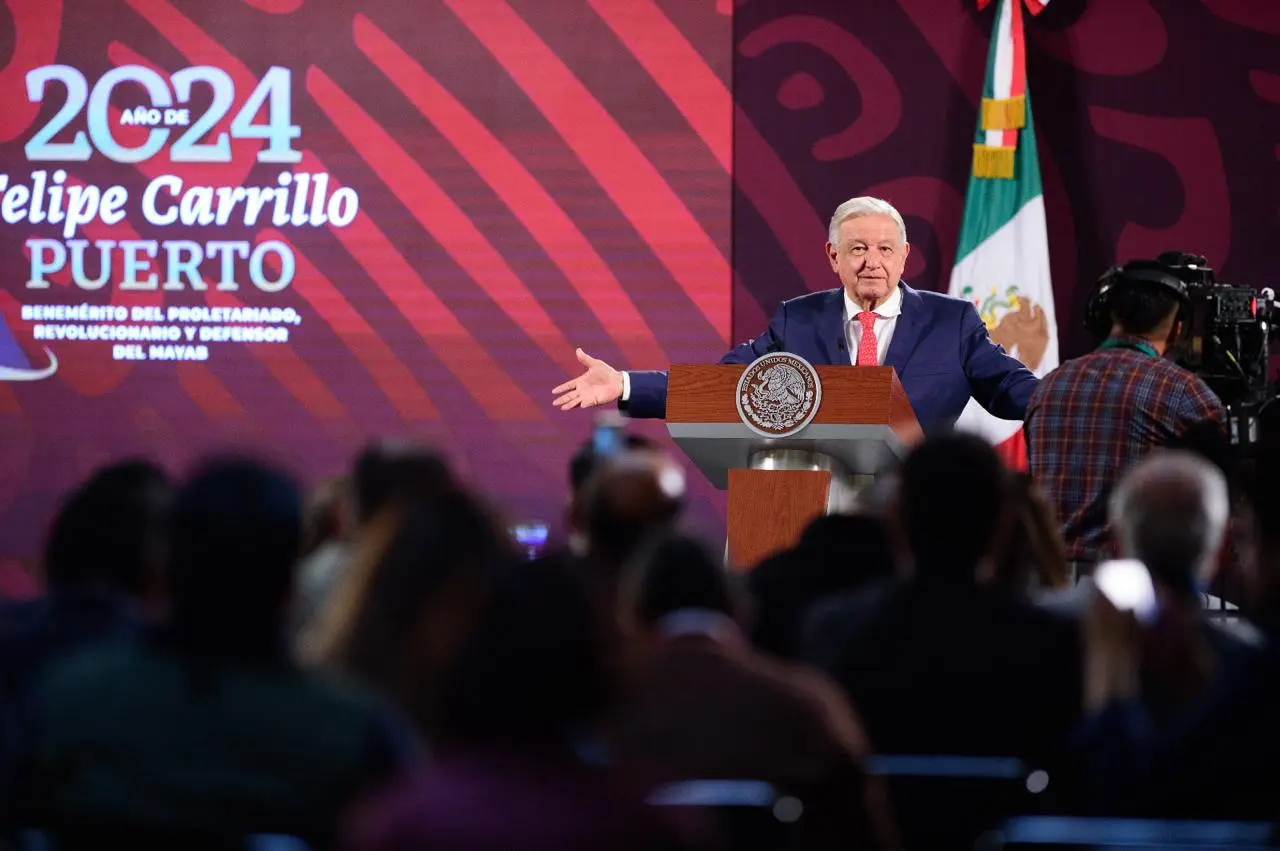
(940, 349)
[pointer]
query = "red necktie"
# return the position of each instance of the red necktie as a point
(867, 355)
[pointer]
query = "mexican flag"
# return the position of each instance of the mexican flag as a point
(1002, 262)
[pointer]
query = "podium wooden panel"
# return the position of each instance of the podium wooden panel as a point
(769, 509)
(864, 423)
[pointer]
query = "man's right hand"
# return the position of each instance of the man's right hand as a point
(599, 385)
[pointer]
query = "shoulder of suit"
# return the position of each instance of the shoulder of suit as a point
(811, 301)
(822, 299)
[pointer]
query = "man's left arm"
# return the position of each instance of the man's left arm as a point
(1199, 406)
(997, 380)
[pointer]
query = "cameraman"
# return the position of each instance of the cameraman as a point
(1094, 416)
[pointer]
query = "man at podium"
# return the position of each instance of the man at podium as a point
(937, 344)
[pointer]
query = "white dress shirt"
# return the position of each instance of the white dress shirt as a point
(886, 318)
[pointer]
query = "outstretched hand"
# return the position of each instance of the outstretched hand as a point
(599, 385)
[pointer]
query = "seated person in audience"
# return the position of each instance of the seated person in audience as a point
(1170, 512)
(1034, 560)
(206, 728)
(1259, 540)
(103, 564)
(523, 688)
(584, 463)
(385, 473)
(328, 531)
(631, 498)
(423, 569)
(938, 661)
(837, 554)
(704, 705)
(1219, 760)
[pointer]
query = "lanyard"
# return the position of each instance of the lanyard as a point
(1115, 343)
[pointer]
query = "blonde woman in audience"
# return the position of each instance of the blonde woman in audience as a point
(385, 473)
(504, 686)
(327, 530)
(420, 575)
(1035, 557)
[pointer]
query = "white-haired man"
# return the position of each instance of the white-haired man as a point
(938, 345)
(1170, 512)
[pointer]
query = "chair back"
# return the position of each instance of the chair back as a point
(36, 839)
(947, 802)
(1042, 833)
(737, 815)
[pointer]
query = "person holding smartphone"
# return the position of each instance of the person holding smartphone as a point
(1169, 516)
(1180, 713)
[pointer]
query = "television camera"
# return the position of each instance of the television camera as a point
(1225, 337)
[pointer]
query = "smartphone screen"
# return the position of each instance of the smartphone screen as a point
(1127, 585)
(606, 440)
(532, 536)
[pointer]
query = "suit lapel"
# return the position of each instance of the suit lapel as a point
(906, 332)
(831, 336)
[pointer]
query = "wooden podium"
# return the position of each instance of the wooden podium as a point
(863, 426)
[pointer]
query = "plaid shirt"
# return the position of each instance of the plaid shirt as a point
(1093, 417)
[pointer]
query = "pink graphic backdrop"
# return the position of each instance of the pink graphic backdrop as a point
(532, 177)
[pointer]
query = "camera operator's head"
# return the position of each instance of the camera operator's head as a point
(1144, 299)
(1142, 309)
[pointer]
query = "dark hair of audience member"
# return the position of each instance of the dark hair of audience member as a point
(586, 460)
(112, 531)
(388, 472)
(534, 672)
(416, 586)
(626, 502)
(1139, 308)
(1261, 532)
(326, 514)
(1261, 480)
(953, 503)
(674, 572)
(837, 553)
(236, 530)
(1034, 554)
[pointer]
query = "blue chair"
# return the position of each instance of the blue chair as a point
(944, 802)
(745, 815)
(34, 839)
(1066, 832)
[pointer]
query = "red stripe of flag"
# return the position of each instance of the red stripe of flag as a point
(1018, 83)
